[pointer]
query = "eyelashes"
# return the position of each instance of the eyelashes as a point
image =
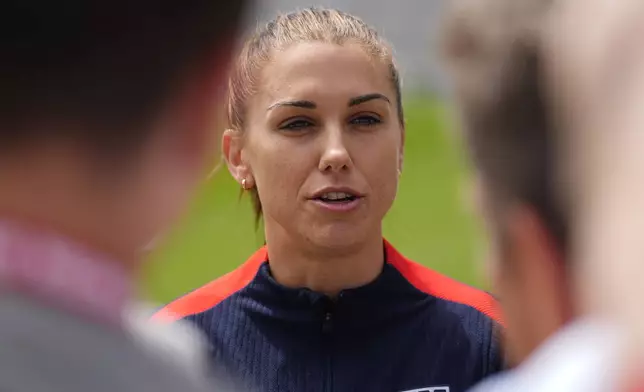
(301, 123)
(294, 125)
(367, 120)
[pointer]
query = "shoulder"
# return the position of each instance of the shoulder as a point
(181, 341)
(582, 356)
(471, 313)
(213, 293)
(52, 333)
(472, 300)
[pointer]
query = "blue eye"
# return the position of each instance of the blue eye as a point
(296, 125)
(366, 120)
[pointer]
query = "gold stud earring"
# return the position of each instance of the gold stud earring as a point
(245, 185)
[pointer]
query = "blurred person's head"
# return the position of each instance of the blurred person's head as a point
(106, 112)
(316, 129)
(597, 65)
(493, 51)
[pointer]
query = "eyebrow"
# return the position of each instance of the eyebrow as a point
(367, 97)
(311, 105)
(297, 104)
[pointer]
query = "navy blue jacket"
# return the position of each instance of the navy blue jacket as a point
(411, 329)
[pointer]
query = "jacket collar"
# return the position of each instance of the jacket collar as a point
(390, 295)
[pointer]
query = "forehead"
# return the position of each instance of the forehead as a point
(316, 69)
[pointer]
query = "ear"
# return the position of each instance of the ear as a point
(530, 236)
(232, 146)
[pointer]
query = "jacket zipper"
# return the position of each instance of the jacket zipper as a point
(327, 330)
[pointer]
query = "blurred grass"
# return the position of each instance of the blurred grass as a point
(430, 221)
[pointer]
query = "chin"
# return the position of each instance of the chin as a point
(338, 241)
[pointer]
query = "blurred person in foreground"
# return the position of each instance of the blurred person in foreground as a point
(597, 62)
(316, 137)
(105, 129)
(496, 54)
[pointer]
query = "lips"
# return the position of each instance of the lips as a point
(336, 195)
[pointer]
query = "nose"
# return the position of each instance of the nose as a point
(335, 156)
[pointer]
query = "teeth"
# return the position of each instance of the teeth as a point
(336, 196)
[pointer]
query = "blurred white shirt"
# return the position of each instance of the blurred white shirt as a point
(180, 342)
(583, 356)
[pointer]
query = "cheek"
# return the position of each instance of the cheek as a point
(279, 169)
(379, 163)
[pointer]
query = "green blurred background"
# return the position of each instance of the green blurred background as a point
(431, 221)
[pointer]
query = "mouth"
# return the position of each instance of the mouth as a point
(338, 200)
(336, 197)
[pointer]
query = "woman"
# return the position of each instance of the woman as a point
(317, 137)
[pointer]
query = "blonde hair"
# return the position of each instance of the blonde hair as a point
(311, 24)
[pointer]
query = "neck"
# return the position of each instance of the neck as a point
(323, 270)
(48, 192)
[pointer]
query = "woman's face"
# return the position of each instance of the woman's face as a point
(323, 144)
